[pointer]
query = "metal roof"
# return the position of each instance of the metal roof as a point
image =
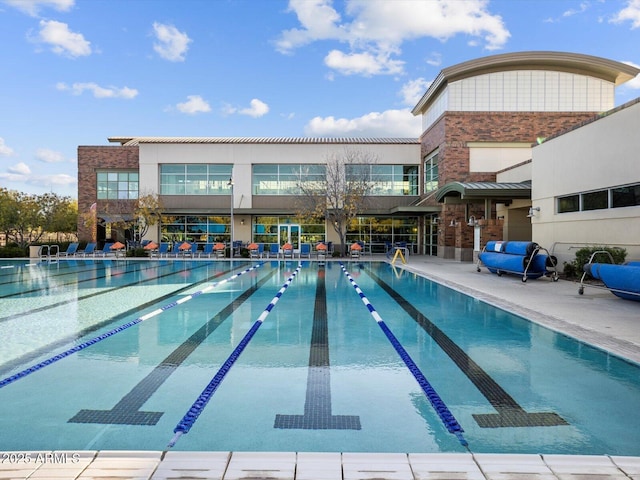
(480, 190)
(609, 70)
(134, 141)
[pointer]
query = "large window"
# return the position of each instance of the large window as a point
(120, 185)
(386, 179)
(195, 179)
(379, 232)
(195, 228)
(431, 173)
(615, 197)
(284, 179)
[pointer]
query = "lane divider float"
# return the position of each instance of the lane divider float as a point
(198, 406)
(110, 333)
(437, 403)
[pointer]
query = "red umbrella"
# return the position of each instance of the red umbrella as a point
(321, 246)
(117, 246)
(219, 246)
(356, 246)
(151, 246)
(185, 246)
(252, 246)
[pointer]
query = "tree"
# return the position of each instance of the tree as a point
(147, 212)
(340, 194)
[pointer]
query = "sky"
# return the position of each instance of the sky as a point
(75, 72)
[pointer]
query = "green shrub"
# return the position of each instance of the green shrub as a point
(13, 251)
(137, 252)
(574, 269)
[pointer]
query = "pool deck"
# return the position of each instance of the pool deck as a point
(597, 317)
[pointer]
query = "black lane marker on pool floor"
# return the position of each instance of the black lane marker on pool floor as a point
(317, 406)
(127, 410)
(510, 413)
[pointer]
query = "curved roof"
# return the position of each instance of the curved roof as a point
(609, 70)
(480, 190)
(133, 141)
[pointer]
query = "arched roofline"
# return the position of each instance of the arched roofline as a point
(598, 67)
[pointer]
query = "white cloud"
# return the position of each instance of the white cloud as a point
(635, 83)
(390, 123)
(377, 29)
(4, 149)
(98, 91)
(49, 156)
(631, 13)
(62, 40)
(412, 91)
(61, 179)
(172, 44)
(19, 169)
(366, 63)
(32, 7)
(256, 109)
(194, 104)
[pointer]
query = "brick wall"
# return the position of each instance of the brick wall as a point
(91, 159)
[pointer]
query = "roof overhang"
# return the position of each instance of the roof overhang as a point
(483, 191)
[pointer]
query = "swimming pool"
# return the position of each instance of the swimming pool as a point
(319, 374)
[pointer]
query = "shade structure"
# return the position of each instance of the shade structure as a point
(185, 246)
(356, 246)
(151, 246)
(117, 246)
(287, 246)
(321, 246)
(219, 246)
(252, 246)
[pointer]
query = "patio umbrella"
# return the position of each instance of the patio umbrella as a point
(219, 246)
(287, 246)
(356, 246)
(252, 246)
(185, 246)
(321, 246)
(151, 246)
(117, 246)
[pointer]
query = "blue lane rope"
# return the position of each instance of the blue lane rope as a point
(93, 341)
(438, 404)
(198, 406)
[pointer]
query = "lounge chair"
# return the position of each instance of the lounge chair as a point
(256, 250)
(106, 250)
(191, 251)
(89, 249)
(207, 250)
(305, 250)
(175, 250)
(71, 250)
(274, 250)
(220, 250)
(355, 250)
(287, 251)
(163, 249)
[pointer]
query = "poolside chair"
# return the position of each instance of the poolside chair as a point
(89, 249)
(188, 249)
(219, 250)
(355, 250)
(287, 251)
(106, 250)
(71, 250)
(274, 250)
(207, 250)
(255, 251)
(305, 250)
(163, 249)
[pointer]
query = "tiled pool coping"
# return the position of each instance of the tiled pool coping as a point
(154, 465)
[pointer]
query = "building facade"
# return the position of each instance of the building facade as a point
(469, 178)
(481, 120)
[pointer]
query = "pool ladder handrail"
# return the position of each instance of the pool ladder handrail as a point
(49, 249)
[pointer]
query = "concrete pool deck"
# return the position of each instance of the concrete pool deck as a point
(598, 318)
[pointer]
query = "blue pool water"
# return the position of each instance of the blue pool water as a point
(319, 374)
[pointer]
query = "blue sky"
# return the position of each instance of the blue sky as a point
(78, 71)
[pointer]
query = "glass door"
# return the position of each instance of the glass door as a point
(289, 233)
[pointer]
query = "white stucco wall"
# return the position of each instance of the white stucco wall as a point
(601, 154)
